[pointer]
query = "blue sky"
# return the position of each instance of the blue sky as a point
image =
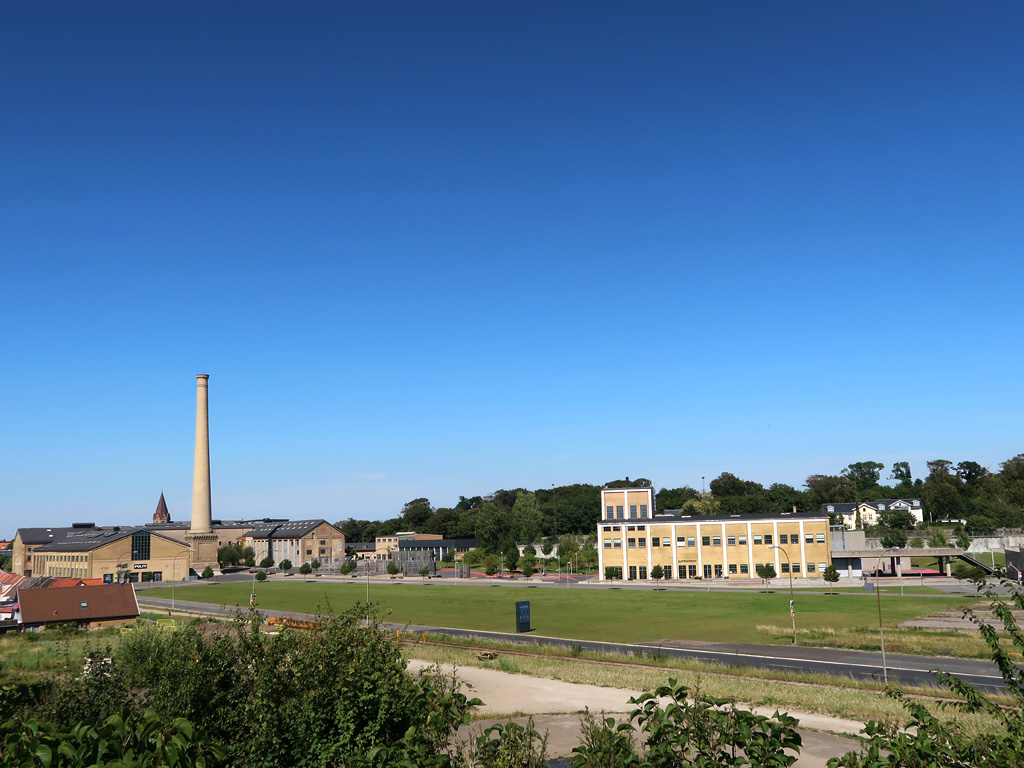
(441, 249)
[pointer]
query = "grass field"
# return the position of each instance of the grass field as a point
(584, 614)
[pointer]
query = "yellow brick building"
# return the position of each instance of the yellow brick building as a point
(633, 539)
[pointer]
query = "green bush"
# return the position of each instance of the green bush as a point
(305, 569)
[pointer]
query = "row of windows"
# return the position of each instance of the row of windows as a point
(709, 570)
(617, 512)
(714, 541)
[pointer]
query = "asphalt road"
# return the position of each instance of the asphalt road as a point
(860, 665)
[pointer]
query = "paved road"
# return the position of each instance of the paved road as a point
(862, 665)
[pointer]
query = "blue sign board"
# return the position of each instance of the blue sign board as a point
(523, 616)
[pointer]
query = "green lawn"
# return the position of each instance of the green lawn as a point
(613, 615)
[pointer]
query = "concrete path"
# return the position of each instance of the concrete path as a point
(556, 706)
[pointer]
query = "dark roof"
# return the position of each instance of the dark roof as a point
(361, 546)
(839, 506)
(46, 535)
(434, 543)
(285, 529)
(89, 540)
(107, 601)
(674, 514)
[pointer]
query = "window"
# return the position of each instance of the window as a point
(783, 538)
(705, 540)
(609, 512)
(643, 510)
(681, 541)
(692, 569)
(630, 542)
(820, 538)
(743, 540)
(717, 541)
(641, 527)
(643, 571)
(668, 571)
(744, 568)
(732, 567)
(309, 551)
(707, 570)
(655, 541)
(617, 543)
(690, 541)
(618, 513)
(607, 543)
(322, 542)
(809, 538)
(767, 538)
(632, 572)
(718, 570)
(641, 542)
(810, 567)
(630, 527)
(140, 545)
(757, 539)
(822, 567)
(323, 550)
(784, 567)
(666, 541)
(732, 541)
(796, 567)
(632, 511)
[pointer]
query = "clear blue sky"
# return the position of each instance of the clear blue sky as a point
(432, 249)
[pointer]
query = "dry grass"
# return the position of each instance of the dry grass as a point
(924, 642)
(846, 699)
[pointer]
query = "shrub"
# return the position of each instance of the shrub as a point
(267, 562)
(261, 576)
(305, 568)
(285, 565)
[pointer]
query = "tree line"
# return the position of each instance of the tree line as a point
(963, 490)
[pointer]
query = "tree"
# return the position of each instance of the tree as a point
(674, 498)
(528, 564)
(315, 565)
(250, 561)
(897, 519)
(830, 489)
(766, 572)
(727, 484)
(492, 563)
(831, 575)
(611, 572)
(492, 527)
(901, 472)
(424, 572)
(938, 540)
(640, 482)
(981, 524)
(392, 568)
(346, 567)
(261, 576)
(267, 562)
(864, 474)
(207, 572)
(916, 543)
(970, 472)
(526, 518)
(416, 513)
(893, 538)
(285, 565)
(963, 541)
(305, 569)
(938, 469)
(657, 573)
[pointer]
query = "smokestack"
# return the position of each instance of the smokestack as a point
(201, 506)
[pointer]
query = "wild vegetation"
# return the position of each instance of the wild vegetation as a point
(336, 694)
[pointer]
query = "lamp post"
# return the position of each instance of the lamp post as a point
(173, 562)
(792, 604)
(1011, 565)
(367, 560)
(881, 633)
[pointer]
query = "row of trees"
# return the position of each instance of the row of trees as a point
(949, 491)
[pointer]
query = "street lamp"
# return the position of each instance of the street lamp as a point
(881, 633)
(1011, 565)
(792, 605)
(173, 562)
